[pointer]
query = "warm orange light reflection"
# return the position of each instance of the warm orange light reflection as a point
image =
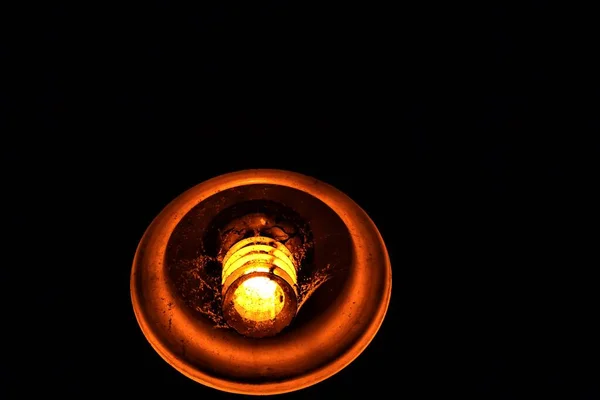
(259, 299)
(258, 251)
(254, 270)
(335, 326)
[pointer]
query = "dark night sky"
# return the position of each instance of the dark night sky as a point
(453, 128)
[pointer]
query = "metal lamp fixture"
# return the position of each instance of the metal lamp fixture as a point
(260, 282)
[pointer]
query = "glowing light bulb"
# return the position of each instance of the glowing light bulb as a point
(259, 299)
(259, 286)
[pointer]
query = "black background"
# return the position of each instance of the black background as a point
(456, 129)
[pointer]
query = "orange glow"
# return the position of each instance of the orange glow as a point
(259, 299)
(254, 270)
(259, 250)
(326, 335)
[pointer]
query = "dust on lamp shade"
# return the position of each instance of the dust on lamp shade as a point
(248, 310)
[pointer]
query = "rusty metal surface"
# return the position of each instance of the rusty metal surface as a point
(319, 345)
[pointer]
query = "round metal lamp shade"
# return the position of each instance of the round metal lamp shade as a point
(325, 328)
